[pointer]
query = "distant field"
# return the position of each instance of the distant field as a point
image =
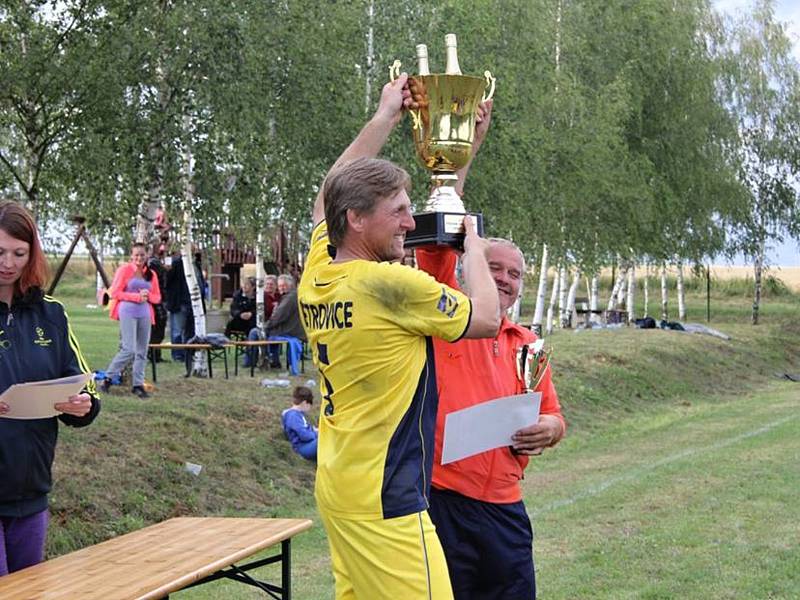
(789, 275)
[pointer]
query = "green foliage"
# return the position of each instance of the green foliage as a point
(616, 130)
(762, 85)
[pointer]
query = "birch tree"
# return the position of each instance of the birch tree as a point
(570, 306)
(631, 295)
(553, 299)
(200, 364)
(54, 68)
(594, 298)
(681, 292)
(563, 290)
(763, 91)
(541, 292)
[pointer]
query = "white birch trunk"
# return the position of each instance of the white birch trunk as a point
(200, 364)
(631, 297)
(370, 55)
(664, 294)
(594, 298)
(681, 292)
(553, 299)
(562, 294)
(621, 292)
(645, 289)
(614, 298)
(573, 289)
(146, 214)
(541, 292)
(260, 277)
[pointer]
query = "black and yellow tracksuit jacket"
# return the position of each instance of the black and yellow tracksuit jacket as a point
(36, 343)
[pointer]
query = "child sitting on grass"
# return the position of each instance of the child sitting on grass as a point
(299, 432)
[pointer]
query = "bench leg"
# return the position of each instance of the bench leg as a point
(225, 361)
(153, 363)
(210, 371)
(286, 569)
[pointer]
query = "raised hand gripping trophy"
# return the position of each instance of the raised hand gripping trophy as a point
(443, 128)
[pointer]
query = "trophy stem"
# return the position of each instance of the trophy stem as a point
(444, 197)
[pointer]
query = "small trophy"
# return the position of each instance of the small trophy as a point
(443, 128)
(532, 363)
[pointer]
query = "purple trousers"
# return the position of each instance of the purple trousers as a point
(22, 541)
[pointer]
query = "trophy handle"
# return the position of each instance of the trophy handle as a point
(416, 115)
(394, 70)
(490, 82)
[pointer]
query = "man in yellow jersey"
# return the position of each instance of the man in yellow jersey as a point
(369, 321)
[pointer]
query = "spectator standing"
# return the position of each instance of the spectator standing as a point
(155, 263)
(36, 344)
(135, 291)
(179, 303)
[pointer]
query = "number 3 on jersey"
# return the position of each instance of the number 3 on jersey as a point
(322, 355)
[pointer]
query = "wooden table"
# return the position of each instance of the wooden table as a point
(163, 558)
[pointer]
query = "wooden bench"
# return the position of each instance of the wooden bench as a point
(212, 352)
(241, 346)
(163, 558)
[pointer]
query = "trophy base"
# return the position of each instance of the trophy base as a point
(441, 229)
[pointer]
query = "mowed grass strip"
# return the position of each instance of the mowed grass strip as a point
(699, 502)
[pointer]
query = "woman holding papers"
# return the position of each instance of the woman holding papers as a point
(36, 344)
(134, 290)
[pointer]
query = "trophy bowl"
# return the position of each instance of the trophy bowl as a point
(443, 129)
(443, 137)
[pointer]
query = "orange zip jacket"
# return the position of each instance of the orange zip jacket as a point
(124, 274)
(470, 372)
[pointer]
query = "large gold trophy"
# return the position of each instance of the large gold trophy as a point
(443, 128)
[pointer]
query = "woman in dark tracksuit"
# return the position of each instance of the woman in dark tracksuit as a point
(36, 344)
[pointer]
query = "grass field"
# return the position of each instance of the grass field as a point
(678, 477)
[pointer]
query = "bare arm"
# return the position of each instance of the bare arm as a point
(480, 286)
(368, 143)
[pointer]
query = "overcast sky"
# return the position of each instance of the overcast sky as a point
(788, 11)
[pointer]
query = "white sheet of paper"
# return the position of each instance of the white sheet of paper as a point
(35, 399)
(489, 425)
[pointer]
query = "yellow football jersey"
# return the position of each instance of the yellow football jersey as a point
(368, 325)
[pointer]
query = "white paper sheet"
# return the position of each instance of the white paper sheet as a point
(35, 399)
(489, 425)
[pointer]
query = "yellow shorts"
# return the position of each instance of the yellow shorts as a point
(396, 559)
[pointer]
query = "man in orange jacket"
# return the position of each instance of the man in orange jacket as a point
(476, 502)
